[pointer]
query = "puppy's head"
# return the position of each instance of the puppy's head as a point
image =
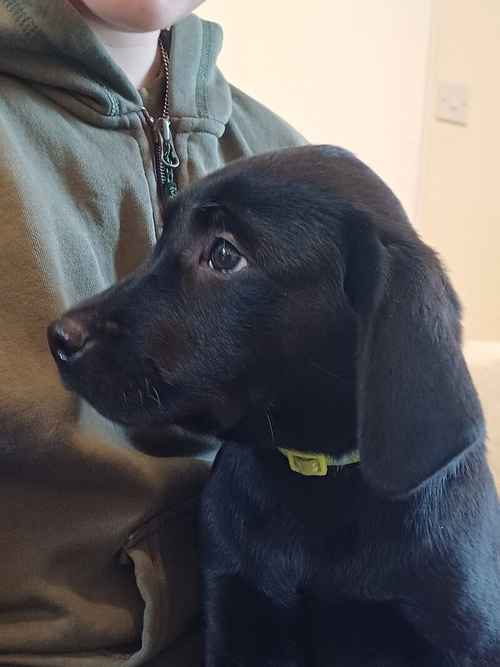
(288, 303)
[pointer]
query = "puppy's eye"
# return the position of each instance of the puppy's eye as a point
(224, 257)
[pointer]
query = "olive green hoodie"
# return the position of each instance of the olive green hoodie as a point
(97, 540)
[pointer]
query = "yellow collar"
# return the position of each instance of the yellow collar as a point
(315, 464)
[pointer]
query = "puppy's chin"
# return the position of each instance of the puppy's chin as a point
(172, 440)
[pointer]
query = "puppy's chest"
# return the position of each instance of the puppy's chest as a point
(287, 532)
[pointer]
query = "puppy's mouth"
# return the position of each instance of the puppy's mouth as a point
(145, 404)
(125, 389)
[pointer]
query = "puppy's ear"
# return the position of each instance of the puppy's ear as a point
(418, 409)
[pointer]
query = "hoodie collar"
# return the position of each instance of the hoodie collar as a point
(200, 97)
(47, 44)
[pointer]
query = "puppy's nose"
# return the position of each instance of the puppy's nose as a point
(67, 336)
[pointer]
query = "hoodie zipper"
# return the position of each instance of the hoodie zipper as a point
(165, 155)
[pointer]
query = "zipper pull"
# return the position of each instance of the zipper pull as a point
(170, 157)
(168, 160)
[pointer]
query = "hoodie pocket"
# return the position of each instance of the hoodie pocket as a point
(165, 558)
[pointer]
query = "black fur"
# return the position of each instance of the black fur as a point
(341, 332)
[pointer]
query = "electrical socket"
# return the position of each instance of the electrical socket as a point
(453, 103)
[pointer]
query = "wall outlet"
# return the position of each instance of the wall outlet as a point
(453, 103)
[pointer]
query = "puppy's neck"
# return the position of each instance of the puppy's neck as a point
(309, 403)
(323, 421)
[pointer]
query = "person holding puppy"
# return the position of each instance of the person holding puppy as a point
(104, 115)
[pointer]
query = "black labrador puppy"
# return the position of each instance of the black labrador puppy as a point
(291, 310)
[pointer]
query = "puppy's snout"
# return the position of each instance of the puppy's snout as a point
(68, 337)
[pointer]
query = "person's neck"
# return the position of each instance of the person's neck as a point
(137, 54)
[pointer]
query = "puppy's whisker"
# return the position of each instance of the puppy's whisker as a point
(325, 371)
(156, 396)
(152, 393)
(269, 421)
(141, 397)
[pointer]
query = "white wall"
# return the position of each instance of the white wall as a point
(347, 72)
(459, 212)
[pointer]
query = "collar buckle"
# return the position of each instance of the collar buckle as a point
(307, 464)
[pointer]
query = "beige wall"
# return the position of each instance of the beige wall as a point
(347, 72)
(363, 74)
(459, 211)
